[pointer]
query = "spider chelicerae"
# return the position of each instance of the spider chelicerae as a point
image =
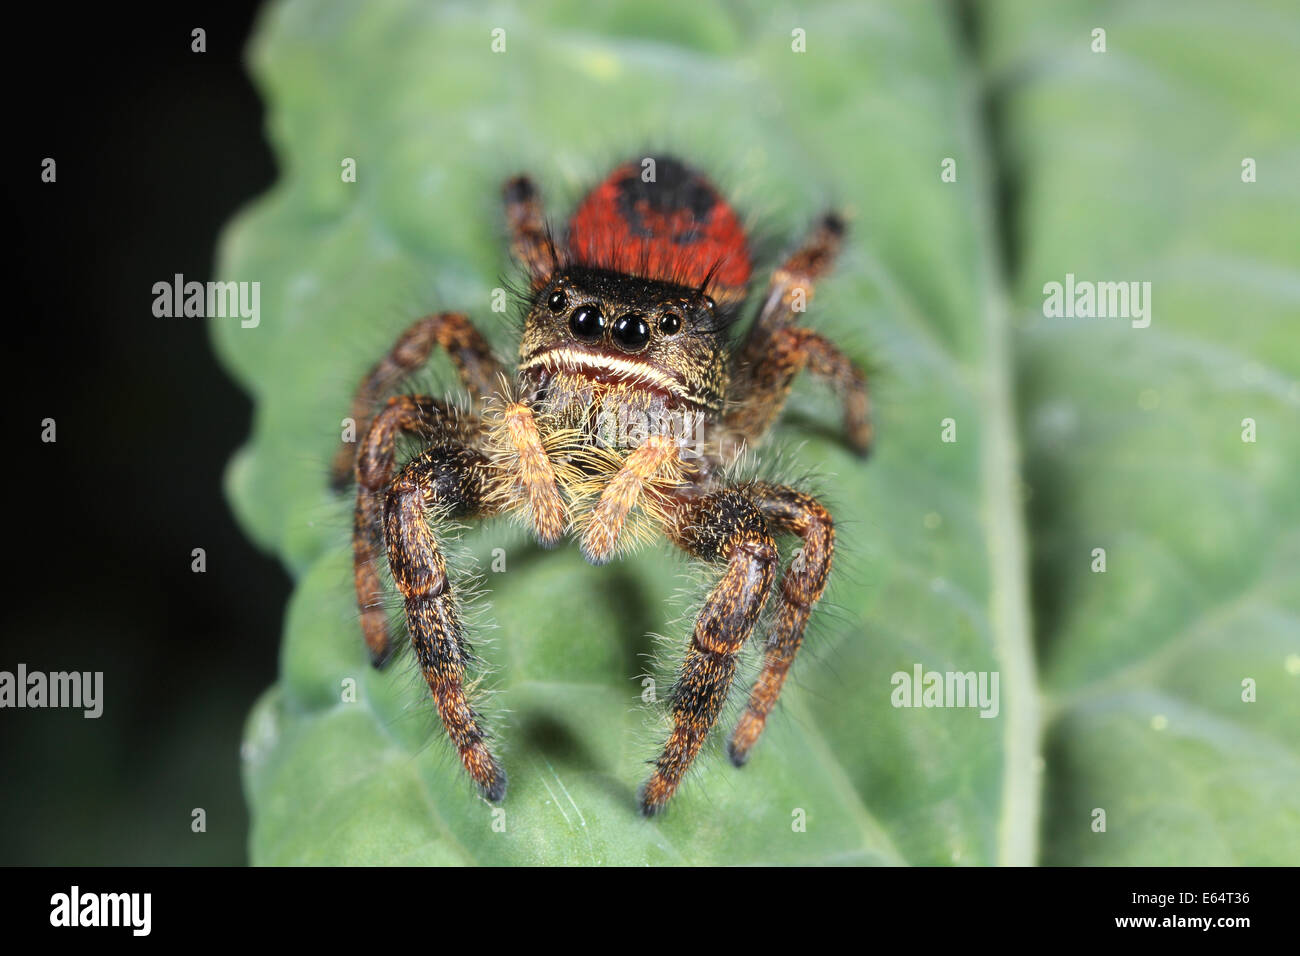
(629, 402)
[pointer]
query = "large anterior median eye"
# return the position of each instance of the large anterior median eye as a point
(587, 322)
(631, 331)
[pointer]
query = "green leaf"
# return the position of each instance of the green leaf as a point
(1130, 167)
(1120, 691)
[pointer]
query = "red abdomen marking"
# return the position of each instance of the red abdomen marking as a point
(674, 229)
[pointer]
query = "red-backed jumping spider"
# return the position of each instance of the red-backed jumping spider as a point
(627, 320)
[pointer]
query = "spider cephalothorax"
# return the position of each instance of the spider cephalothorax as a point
(628, 401)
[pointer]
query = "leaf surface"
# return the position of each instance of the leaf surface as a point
(1125, 166)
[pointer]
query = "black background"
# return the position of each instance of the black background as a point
(156, 147)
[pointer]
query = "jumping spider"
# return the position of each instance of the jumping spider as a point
(627, 318)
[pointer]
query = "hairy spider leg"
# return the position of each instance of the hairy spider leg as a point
(448, 480)
(530, 239)
(604, 525)
(794, 512)
(725, 527)
(453, 331)
(417, 415)
(777, 349)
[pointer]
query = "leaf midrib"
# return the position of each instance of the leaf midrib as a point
(1010, 621)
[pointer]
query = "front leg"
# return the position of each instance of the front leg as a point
(534, 483)
(448, 480)
(652, 465)
(725, 526)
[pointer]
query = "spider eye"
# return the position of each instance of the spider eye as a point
(631, 332)
(587, 322)
(670, 323)
(557, 301)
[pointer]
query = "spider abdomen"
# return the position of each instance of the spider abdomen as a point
(659, 218)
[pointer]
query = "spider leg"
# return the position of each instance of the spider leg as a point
(448, 480)
(797, 277)
(777, 348)
(530, 240)
(801, 587)
(789, 351)
(725, 527)
(453, 331)
(404, 414)
(534, 475)
(639, 470)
